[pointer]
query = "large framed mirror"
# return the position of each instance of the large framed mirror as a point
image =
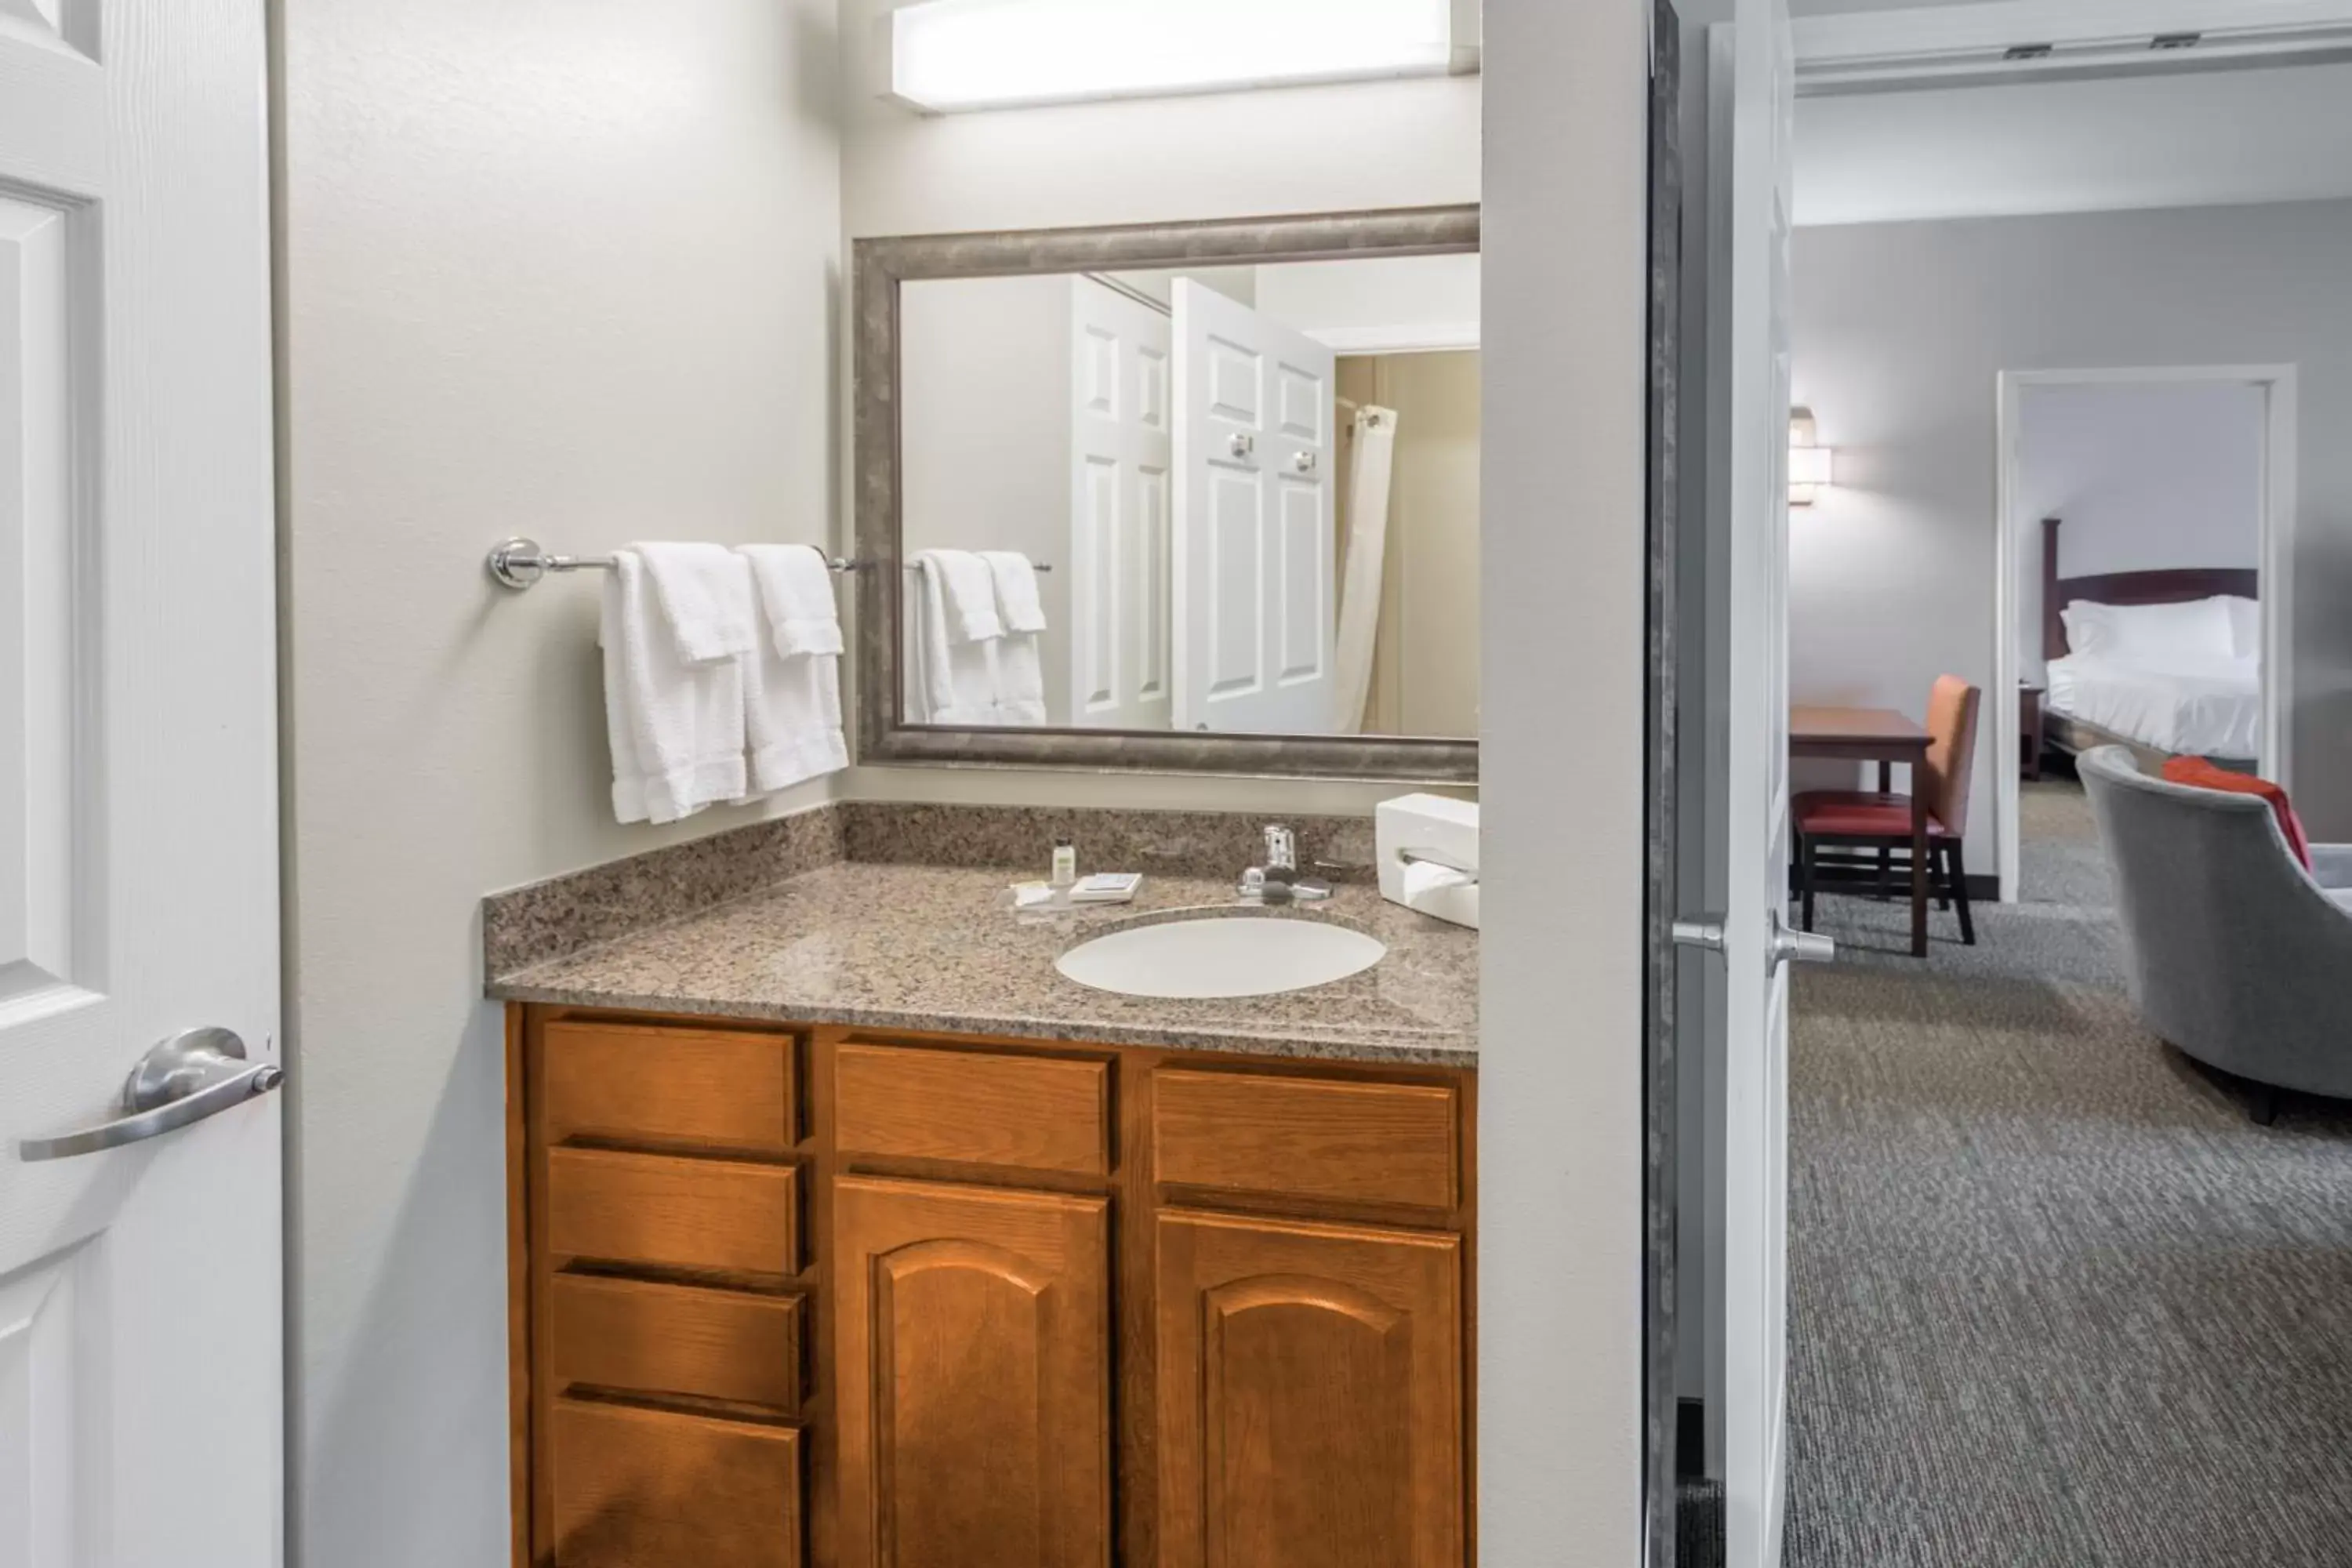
(1184, 497)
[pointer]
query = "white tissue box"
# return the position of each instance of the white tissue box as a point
(1442, 829)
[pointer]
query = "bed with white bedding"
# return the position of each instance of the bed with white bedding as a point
(2165, 661)
(2210, 708)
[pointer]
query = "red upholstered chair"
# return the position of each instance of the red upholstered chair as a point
(1871, 819)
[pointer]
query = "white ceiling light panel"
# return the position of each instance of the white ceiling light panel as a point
(949, 56)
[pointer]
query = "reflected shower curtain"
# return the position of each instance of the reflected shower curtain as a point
(1367, 547)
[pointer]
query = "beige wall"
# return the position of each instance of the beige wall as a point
(1378, 144)
(1425, 658)
(564, 267)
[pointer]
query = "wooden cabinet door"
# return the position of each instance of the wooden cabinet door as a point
(1310, 1399)
(972, 1362)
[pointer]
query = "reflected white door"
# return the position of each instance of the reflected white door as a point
(1256, 617)
(1755, 939)
(141, 1403)
(1121, 450)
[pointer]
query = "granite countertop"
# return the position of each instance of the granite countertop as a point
(940, 947)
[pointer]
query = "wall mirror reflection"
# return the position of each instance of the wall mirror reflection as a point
(1145, 497)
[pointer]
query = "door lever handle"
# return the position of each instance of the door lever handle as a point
(1804, 946)
(1705, 932)
(1781, 944)
(194, 1074)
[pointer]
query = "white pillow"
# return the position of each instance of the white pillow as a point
(2246, 625)
(2086, 626)
(2199, 629)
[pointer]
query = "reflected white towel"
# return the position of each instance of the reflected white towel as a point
(1442, 891)
(796, 598)
(1020, 672)
(676, 728)
(1018, 605)
(969, 590)
(706, 599)
(955, 679)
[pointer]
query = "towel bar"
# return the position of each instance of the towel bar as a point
(520, 562)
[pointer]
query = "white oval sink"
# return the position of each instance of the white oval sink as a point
(1232, 955)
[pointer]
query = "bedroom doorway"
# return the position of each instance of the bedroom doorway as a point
(2132, 489)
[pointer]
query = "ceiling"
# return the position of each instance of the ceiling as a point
(2192, 139)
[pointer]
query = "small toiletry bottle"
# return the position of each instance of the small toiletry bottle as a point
(1066, 865)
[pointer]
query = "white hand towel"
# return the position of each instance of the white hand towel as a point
(970, 590)
(791, 700)
(796, 593)
(1443, 892)
(1021, 675)
(1019, 679)
(705, 597)
(792, 718)
(1018, 606)
(955, 682)
(676, 728)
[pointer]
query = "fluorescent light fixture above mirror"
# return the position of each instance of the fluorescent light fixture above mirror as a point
(950, 56)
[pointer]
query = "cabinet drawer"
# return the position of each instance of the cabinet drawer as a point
(676, 1338)
(1310, 1138)
(1035, 1113)
(667, 1209)
(708, 1088)
(635, 1487)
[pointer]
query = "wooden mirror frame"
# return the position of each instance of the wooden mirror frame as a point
(877, 269)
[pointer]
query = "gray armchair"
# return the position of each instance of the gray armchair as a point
(2235, 954)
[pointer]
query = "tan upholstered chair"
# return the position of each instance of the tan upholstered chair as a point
(1881, 820)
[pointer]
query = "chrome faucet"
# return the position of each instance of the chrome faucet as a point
(1277, 881)
(1281, 852)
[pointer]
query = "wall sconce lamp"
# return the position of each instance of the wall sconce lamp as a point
(1812, 466)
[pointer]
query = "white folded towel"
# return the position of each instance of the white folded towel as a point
(955, 679)
(1443, 892)
(796, 594)
(792, 700)
(1018, 606)
(705, 596)
(1020, 674)
(968, 588)
(676, 728)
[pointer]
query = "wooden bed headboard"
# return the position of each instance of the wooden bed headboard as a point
(2172, 586)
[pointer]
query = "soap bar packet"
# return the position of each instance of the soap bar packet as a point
(1107, 887)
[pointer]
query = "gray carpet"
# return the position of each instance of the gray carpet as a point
(2054, 1300)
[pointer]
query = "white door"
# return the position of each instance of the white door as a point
(1255, 622)
(141, 1405)
(1756, 938)
(1121, 450)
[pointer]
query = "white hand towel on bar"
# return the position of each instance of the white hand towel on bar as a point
(970, 588)
(705, 596)
(1018, 604)
(796, 592)
(955, 679)
(1021, 676)
(792, 702)
(676, 728)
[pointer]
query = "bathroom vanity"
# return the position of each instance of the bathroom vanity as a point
(844, 1230)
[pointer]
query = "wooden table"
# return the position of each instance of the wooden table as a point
(1884, 736)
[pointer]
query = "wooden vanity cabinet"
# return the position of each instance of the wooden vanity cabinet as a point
(820, 1296)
